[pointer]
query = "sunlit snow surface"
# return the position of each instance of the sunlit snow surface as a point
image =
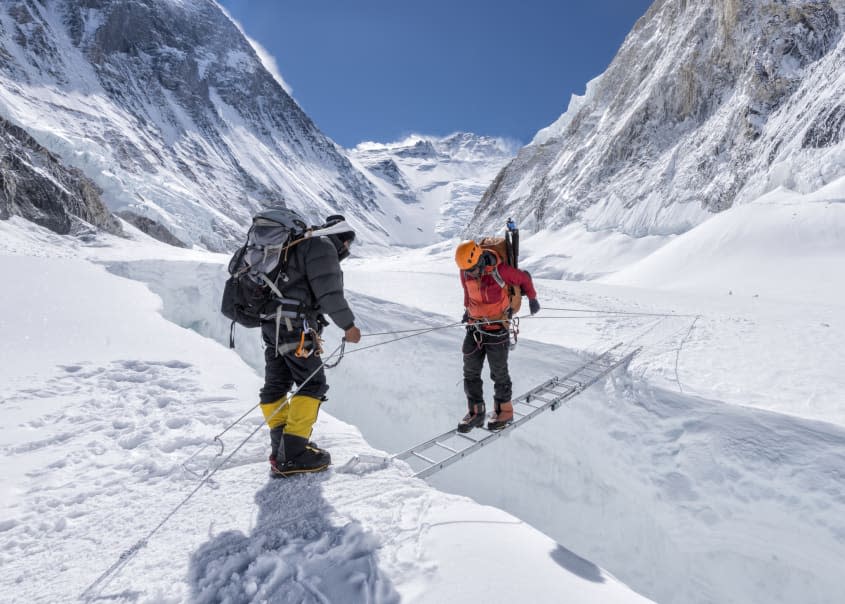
(103, 400)
(709, 471)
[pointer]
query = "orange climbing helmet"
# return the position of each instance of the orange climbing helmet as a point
(467, 255)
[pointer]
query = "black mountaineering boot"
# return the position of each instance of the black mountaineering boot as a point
(277, 452)
(473, 419)
(301, 456)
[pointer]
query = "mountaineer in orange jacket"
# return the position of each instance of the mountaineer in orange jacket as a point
(486, 278)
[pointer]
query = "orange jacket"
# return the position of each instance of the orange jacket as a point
(484, 298)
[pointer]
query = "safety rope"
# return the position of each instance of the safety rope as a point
(420, 329)
(651, 327)
(340, 352)
(130, 553)
(603, 316)
(619, 312)
(217, 439)
(680, 347)
(419, 332)
(206, 477)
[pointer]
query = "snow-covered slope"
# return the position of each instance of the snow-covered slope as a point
(697, 477)
(784, 245)
(168, 108)
(441, 179)
(96, 427)
(677, 476)
(706, 105)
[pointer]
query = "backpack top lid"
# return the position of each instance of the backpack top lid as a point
(497, 245)
(280, 216)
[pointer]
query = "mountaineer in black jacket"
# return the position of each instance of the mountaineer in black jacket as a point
(315, 286)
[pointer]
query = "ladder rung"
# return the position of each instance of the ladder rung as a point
(594, 371)
(469, 438)
(447, 447)
(423, 457)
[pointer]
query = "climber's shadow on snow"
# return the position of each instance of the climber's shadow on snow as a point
(577, 565)
(298, 551)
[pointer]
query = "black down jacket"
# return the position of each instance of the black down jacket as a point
(315, 279)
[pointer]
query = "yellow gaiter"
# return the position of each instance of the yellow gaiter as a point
(301, 415)
(280, 418)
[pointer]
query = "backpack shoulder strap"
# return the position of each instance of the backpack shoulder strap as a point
(497, 277)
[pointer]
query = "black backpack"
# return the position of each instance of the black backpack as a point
(251, 294)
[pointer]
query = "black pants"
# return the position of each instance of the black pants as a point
(494, 347)
(283, 370)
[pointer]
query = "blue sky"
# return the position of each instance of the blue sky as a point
(379, 70)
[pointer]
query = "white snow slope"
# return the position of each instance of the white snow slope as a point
(710, 471)
(440, 179)
(103, 403)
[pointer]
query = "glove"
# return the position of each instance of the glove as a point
(465, 317)
(533, 305)
(353, 335)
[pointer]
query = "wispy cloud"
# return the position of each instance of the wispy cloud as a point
(267, 59)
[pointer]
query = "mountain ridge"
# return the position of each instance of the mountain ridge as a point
(170, 110)
(703, 106)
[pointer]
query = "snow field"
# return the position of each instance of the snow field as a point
(684, 497)
(101, 412)
(689, 499)
(700, 475)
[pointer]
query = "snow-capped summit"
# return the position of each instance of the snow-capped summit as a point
(443, 178)
(170, 110)
(705, 105)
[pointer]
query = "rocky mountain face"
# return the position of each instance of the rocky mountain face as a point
(705, 105)
(440, 179)
(168, 108)
(35, 185)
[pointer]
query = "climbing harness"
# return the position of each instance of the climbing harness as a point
(514, 332)
(310, 342)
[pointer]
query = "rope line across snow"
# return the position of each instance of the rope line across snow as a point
(550, 394)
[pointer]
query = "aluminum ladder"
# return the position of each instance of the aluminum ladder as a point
(442, 451)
